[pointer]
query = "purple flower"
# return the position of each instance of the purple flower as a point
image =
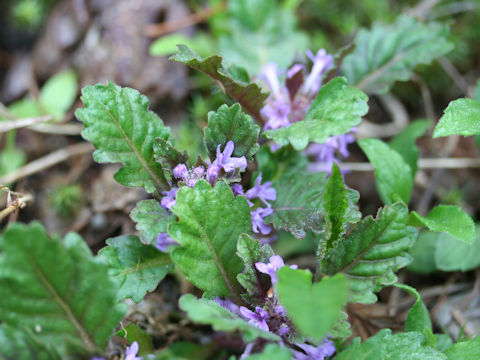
(229, 305)
(257, 318)
(237, 189)
(180, 172)
(131, 352)
(258, 224)
(276, 263)
(321, 63)
(314, 352)
(190, 177)
(169, 200)
(164, 241)
(226, 162)
(263, 192)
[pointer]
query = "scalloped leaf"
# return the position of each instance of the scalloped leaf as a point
(122, 129)
(383, 345)
(389, 53)
(230, 123)
(372, 252)
(210, 223)
(204, 311)
(138, 267)
(336, 109)
(300, 203)
(393, 176)
(249, 95)
(166, 154)
(256, 283)
(151, 219)
(461, 117)
(70, 293)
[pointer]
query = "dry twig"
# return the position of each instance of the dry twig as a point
(19, 203)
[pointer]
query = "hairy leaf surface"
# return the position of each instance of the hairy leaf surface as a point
(465, 350)
(230, 123)
(70, 294)
(117, 121)
(166, 154)
(336, 109)
(151, 219)
(372, 252)
(204, 311)
(138, 267)
(210, 223)
(249, 95)
(389, 53)
(461, 117)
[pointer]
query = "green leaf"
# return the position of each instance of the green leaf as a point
(393, 176)
(385, 346)
(451, 254)
(461, 117)
(372, 252)
(389, 53)
(302, 300)
(210, 223)
(59, 93)
(423, 252)
(11, 160)
(202, 43)
(133, 332)
(230, 123)
(256, 283)
(151, 219)
(16, 344)
(299, 206)
(336, 205)
(272, 351)
(209, 312)
(117, 121)
(336, 109)
(70, 294)
(418, 317)
(138, 267)
(450, 219)
(250, 96)
(259, 32)
(465, 350)
(166, 154)
(404, 143)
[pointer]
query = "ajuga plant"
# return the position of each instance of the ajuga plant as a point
(273, 166)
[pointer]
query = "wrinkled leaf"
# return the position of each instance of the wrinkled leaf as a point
(336, 109)
(166, 154)
(138, 267)
(117, 121)
(393, 176)
(230, 123)
(210, 223)
(151, 219)
(389, 53)
(372, 252)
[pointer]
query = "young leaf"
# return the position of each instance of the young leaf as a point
(209, 312)
(230, 123)
(272, 351)
(117, 121)
(300, 203)
(336, 205)
(389, 53)
(393, 176)
(251, 252)
(465, 350)
(384, 345)
(451, 254)
(461, 117)
(133, 332)
(210, 222)
(313, 308)
(250, 96)
(166, 154)
(151, 219)
(418, 317)
(450, 219)
(404, 143)
(336, 109)
(138, 267)
(373, 251)
(16, 344)
(59, 93)
(71, 294)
